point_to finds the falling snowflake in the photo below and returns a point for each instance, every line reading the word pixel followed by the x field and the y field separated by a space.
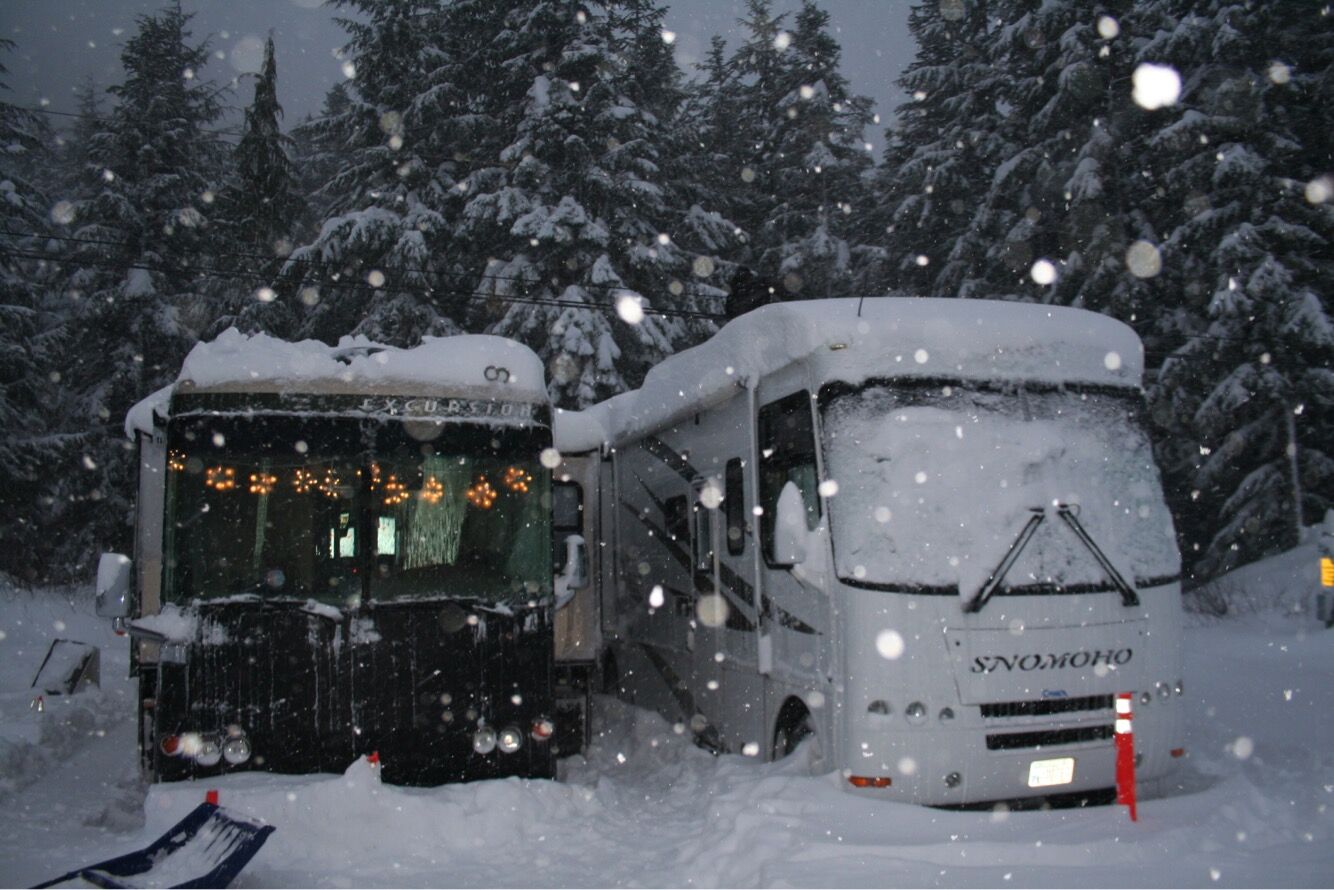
pixel 1155 86
pixel 890 645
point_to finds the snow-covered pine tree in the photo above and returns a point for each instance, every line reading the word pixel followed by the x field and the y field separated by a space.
pixel 1253 387
pixel 822 158
pixel 383 263
pixel 137 295
pixel 655 190
pixel 317 148
pixel 939 158
pixel 1053 88
pixel 803 136
pixel 258 211
pixel 32 443
pixel 574 213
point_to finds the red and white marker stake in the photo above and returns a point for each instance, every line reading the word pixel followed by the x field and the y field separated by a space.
pixel 1125 753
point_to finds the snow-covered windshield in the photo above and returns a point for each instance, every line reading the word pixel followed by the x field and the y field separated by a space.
pixel 344 510
pixel 936 481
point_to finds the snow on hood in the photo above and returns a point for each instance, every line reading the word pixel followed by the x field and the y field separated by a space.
pixel 854 340
pixel 440 366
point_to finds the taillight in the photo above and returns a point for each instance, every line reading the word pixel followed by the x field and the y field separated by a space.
pixel 543 729
pixel 870 781
pixel 171 745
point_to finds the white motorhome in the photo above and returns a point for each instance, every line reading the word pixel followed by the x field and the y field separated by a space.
pixel 928 533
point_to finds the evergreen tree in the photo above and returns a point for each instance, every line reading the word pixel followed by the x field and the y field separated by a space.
pixel 1250 386
pixel 317 146
pixel 383 263
pixel 259 208
pixel 578 215
pixel 556 217
pixel 138 300
pixel 802 134
pixel 33 445
pixel 938 161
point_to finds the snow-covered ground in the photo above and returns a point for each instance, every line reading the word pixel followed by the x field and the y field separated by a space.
pixel 1250 807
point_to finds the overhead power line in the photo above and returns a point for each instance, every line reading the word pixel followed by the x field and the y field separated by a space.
pixel 107 120
pixel 319 264
pixel 432 294
pixel 258 278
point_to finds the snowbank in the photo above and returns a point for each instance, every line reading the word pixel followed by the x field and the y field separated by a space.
pixel 1252 805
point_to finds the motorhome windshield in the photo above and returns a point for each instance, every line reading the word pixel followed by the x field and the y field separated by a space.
pixel 341 510
pixel 938 480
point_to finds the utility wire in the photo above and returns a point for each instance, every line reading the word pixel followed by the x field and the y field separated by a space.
pixel 431 294
pixel 107 120
pixel 399 270
pixel 214 272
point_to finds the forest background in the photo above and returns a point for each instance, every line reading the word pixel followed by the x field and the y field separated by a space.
pixel 544 170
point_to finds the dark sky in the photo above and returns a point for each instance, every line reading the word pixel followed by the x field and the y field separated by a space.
pixel 61 42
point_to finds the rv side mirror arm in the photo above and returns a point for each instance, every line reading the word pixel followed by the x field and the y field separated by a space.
pixel 574 576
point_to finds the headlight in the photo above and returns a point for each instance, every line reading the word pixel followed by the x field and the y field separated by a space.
pixel 236 750
pixel 543 729
pixel 1179 688
pixel 484 740
pixel 1145 697
pixel 916 713
pixel 879 706
pixel 946 715
pixel 510 739
pixel 1164 690
pixel 209 753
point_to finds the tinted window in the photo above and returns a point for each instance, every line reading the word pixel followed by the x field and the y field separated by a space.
pixel 734 503
pixel 787 454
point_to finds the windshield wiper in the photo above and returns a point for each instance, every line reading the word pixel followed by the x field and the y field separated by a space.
pixel 1128 595
pixel 993 582
pixel 1071 518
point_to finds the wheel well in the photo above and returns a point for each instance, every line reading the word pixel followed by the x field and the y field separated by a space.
pixel 790 715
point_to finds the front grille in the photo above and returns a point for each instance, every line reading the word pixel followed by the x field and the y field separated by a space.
pixel 1046 706
pixel 1047 738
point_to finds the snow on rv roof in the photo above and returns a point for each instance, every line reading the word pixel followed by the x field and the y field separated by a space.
pixel 463 365
pixel 855 340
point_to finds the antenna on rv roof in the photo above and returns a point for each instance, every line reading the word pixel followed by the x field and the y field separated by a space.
pixel 859 306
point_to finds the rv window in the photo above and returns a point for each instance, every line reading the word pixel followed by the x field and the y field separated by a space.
pixel 787 454
pixel 735 504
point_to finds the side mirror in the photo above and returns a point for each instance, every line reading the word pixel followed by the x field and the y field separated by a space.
pixel 575 574
pixel 790 533
pixel 114 578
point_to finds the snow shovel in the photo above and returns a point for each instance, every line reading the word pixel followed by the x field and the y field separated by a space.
pixel 208 848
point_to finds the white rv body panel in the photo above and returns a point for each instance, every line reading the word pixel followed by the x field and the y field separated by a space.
pixel 708 630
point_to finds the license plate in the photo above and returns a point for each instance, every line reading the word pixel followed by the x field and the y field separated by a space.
pixel 1045 773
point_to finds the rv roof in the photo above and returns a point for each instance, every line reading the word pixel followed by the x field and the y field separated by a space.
pixel 463 366
pixel 855 340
